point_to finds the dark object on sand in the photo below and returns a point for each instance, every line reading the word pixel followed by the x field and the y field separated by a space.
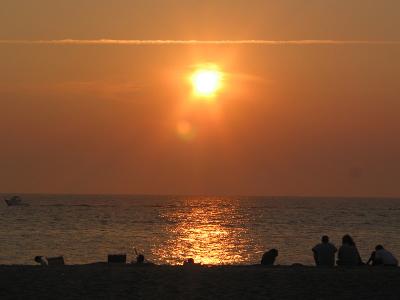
pixel 50 261
pixel 41 260
pixel 297 265
pixel 268 258
pixel 116 258
pixel 56 261
pixel 324 253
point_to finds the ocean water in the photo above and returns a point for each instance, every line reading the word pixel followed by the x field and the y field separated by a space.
pixel 212 230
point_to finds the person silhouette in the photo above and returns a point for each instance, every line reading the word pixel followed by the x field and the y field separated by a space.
pixel 381 256
pixel 348 253
pixel 324 253
pixel 140 259
pixel 190 263
pixel 268 258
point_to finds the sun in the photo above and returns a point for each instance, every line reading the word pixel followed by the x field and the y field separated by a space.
pixel 206 81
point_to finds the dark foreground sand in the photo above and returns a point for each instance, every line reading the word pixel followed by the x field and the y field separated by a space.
pixel 102 281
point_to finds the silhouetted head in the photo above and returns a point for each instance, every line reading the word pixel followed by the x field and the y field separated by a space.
pixel 140 259
pixel 190 261
pixel 325 239
pixel 268 258
pixel 38 259
pixel 273 252
pixel 378 247
pixel 348 240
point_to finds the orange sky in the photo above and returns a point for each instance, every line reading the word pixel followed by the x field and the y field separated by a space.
pixel 290 120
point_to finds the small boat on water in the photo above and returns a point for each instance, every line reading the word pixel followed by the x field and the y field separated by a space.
pixel 15 201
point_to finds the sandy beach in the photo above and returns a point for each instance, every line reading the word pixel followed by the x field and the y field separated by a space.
pixel 102 281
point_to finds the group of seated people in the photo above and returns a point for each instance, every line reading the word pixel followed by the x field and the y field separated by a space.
pixel 324 255
pixel 348 255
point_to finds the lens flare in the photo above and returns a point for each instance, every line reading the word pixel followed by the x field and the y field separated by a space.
pixel 185 130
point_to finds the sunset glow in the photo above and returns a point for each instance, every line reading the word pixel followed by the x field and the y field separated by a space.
pixel 206 82
pixel 205 90
pixel 202 233
pixel 209 149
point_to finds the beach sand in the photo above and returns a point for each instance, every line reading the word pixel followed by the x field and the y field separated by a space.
pixel 103 281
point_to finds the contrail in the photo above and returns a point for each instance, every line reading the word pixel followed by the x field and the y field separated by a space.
pixel 195 42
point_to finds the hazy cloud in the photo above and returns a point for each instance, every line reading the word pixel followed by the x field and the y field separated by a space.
pixel 196 42
pixel 102 89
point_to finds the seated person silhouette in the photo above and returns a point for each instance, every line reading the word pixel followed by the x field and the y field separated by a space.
pixel 382 257
pixel 268 258
pixel 324 253
pixel 140 259
pixel 190 262
pixel 348 253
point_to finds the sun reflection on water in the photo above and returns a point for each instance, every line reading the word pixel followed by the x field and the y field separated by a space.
pixel 211 231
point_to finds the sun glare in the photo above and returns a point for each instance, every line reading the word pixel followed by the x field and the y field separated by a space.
pixel 206 82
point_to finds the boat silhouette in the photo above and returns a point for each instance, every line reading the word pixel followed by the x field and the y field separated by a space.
pixel 15 201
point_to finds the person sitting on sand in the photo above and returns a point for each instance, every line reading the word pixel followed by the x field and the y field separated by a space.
pixel 41 260
pixel 190 262
pixel 324 253
pixel 382 257
pixel 348 253
pixel 140 260
pixel 268 258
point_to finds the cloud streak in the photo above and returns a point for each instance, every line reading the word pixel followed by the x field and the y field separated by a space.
pixel 196 42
